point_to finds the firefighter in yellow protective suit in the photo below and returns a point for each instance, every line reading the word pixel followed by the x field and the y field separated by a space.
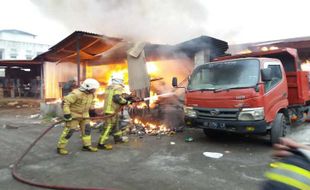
pixel 78 107
pixel 115 97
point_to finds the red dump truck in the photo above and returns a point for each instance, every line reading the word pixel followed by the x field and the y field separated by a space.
pixel 255 93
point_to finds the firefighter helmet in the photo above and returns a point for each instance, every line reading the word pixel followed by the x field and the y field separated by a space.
pixel 90 84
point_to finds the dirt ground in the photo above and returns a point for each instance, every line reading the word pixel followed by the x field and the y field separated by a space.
pixel 143 163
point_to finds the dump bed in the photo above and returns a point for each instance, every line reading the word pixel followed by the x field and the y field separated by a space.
pixel 297 80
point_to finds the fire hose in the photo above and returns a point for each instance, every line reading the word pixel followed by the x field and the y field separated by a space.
pixel 20 178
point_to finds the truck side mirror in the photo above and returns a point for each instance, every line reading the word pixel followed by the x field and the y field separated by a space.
pixel 266 74
pixel 175 82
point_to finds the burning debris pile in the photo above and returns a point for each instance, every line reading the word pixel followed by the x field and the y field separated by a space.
pixel 154 125
pixel 154 119
pixel 140 128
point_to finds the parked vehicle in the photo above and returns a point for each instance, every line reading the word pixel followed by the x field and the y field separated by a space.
pixel 255 93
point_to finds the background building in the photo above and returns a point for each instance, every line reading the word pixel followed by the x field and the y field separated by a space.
pixel 20 76
pixel 16 44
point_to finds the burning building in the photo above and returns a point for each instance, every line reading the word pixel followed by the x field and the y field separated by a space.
pixel 148 68
pixel 83 55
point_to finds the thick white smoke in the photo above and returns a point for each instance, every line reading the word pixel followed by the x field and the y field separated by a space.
pixel 170 21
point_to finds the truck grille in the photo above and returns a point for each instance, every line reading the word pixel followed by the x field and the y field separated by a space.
pixel 217 113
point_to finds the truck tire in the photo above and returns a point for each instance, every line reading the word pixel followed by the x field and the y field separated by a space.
pixel 277 128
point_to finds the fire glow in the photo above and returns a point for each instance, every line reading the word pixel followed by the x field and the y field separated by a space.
pixel 55 101
pixel 245 51
pixel 99 103
pixel 265 48
pixel 122 69
pixel 160 74
pixel 141 105
pixel 269 48
pixel 151 128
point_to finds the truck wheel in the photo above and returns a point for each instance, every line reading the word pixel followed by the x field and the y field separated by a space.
pixel 277 128
pixel 211 133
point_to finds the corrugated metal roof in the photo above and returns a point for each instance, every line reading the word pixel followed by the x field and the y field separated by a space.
pixel 203 42
pixel 300 43
pixel 190 47
pixel 288 40
pixel 100 49
pixel 291 51
pixel 90 45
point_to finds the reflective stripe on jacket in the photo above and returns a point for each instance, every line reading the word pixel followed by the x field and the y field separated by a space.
pixel 110 107
pixel 290 173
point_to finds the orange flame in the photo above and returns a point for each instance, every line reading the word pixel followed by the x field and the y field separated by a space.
pixel 152 128
pixel 152 68
pixel 245 51
pixel 59 100
pixel 273 48
pixel 100 91
pixel 99 103
pixel 102 73
pixel 265 48
pixel 141 105
pixel 153 99
pixel 109 70
pixel 122 69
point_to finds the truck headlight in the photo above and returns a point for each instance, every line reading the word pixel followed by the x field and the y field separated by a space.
pixel 251 114
pixel 189 112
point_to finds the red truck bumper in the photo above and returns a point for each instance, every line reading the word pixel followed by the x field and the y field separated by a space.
pixel 244 127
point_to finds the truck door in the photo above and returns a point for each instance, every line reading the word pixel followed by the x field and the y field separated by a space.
pixel 275 90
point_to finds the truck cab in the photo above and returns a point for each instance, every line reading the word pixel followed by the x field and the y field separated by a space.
pixel 255 93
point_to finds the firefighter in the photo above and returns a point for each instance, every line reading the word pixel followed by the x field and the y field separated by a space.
pixel 78 107
pixel 292 170
pixel 69 86
pixel 115 97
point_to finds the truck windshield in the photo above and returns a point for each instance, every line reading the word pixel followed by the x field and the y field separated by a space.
pixel 225 75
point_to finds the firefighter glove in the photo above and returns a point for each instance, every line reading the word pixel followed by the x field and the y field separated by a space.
pixel 127 97
pixel 92 113
pixel 137 99
pixel 131 98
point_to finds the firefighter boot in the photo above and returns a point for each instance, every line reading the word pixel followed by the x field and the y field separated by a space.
pixel 63 141
pixel 62 151
pixel 90 149
pixel 105 146
pixel 87 144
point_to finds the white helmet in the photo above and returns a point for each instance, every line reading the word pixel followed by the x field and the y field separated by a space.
pixel 89 84
pixel 117 78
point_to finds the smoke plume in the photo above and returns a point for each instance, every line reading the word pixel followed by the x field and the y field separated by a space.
pixel 155 21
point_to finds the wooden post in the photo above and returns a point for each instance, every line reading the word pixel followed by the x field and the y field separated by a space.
pixel 78 58
pixel 84 70
pixel 42 81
